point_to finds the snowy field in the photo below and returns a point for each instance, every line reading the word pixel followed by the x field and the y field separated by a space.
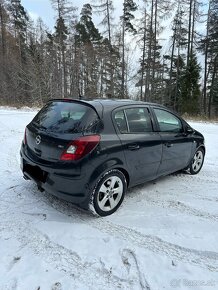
pixel 165 236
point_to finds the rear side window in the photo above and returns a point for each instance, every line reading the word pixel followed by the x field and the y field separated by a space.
pixel 134 120
pixel 121 121
pixel 67 117
pixel 139 120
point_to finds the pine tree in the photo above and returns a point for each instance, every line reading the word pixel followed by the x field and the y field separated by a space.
pixel 105 8
pixel 194 17
pixel 143 30
pixel 129 6
pixel 61 34
pixel 3 20
pixel 174 81
pixel 152 69
pixel 214 92
pixel 40 65
pixel 54 85
pixel 190 87
pixel 203 46
pixel 175 59
pixel 19 22
pixel 213 56
pixel 209 46
pixel 65 12
pixel 88 39
pixel 213 98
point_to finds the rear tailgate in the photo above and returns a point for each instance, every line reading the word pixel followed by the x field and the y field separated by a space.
pixel 47 145
pixel 57 124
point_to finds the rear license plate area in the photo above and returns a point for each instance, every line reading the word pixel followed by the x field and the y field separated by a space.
pixel 36 173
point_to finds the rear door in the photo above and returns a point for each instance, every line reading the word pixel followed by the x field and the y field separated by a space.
pixel 142 146
pixel 176 144
pixel 58 123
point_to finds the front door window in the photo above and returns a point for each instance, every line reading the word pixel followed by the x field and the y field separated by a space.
pixel 168 122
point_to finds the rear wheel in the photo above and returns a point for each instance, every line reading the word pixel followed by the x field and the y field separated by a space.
pixel 108 193
pixel 197 162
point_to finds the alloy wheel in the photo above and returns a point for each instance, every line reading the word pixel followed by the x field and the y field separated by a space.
pixel 110 193
pixel 197 161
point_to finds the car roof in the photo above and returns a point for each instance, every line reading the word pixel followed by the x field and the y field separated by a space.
pixel 107 105
pixel 115 103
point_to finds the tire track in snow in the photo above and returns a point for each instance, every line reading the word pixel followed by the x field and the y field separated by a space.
pixel 10 285
pixel 152 196
pixel 202 177
pixel 127 256
pixel 182 208
pixel 204 259
pixel 177 205
pixel 63 259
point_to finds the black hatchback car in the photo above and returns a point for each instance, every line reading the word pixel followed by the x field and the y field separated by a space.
pixel 90 152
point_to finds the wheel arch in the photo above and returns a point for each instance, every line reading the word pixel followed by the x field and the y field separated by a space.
pixel 195 149
pixel 125 173
pixel 109 165
pixel 202 147
pixel 191 169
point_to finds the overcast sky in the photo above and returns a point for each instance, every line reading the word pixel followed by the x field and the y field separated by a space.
pixel 43 9
pixel 40 8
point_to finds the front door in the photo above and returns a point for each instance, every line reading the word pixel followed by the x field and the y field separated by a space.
pixel 177 145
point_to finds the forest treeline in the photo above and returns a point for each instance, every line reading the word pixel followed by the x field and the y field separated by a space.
pixel 79 58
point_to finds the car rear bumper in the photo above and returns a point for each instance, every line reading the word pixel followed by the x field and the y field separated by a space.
pixel 58 182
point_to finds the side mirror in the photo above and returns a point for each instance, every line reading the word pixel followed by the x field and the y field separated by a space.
pixel 189 130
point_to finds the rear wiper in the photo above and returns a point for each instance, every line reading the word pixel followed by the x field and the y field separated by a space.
pixel 55 125
pixel 39 126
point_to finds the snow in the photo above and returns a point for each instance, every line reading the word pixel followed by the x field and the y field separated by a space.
pixel 163 237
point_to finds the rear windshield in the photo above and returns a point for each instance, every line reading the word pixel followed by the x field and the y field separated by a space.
pixel 66 117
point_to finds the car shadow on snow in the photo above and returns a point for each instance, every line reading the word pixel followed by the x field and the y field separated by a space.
pixel 71 210
pixel 64 207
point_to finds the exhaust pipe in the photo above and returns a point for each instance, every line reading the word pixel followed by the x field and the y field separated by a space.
pixel 40 188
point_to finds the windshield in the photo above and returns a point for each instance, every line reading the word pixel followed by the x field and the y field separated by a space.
pixel 66 117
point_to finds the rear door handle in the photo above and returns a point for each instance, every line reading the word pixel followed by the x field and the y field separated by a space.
pixel 168 144
pixel 133 147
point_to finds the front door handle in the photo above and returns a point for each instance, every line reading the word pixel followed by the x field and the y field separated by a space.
pixel 168 145
pixel 133 147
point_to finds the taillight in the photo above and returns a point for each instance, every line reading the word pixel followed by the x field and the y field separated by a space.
pixel 80 147
pixel 24 138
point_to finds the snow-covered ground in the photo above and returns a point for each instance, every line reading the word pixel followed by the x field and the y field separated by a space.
pixel 165 236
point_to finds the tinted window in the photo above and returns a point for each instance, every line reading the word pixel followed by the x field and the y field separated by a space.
pixel 167 121
pixel 66 117
pixel 138 120
pixel 121 122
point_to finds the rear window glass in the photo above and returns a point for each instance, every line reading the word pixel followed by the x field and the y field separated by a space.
pixel 66 117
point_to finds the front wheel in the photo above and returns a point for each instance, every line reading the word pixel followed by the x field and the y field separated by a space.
pixel 108 193
pixel 197 162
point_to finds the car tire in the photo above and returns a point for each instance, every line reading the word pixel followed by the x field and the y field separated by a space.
pixel 108 193
pixel 196 162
